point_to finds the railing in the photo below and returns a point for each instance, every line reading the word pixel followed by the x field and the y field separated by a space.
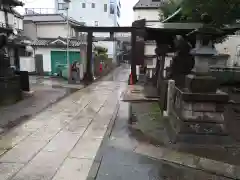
pixel 29 11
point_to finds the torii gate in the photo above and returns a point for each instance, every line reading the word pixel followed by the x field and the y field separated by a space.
pixel 137 57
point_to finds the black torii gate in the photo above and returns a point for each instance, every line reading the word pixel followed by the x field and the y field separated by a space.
pixel 137 57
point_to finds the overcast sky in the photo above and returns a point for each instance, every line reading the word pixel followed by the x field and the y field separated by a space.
pixel 126 11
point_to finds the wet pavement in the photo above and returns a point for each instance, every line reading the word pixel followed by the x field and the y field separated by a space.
pixel 60 142
pixel 124 157
pixel 44 93
pixel 86 136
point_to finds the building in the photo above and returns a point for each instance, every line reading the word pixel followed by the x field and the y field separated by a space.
pixel 148 10
pixel 11 44
pixel 12 20
pixel 49 33
pixel 95 13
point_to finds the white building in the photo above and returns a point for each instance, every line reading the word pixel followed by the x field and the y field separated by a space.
pixel 94 13
pixel 148 10
pixel 49 35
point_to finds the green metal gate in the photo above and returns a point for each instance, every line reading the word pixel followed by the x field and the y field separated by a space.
pixel 59 60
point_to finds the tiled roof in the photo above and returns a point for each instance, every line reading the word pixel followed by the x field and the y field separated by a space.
pixel 50 18
pixel 62 42
pixel 148 4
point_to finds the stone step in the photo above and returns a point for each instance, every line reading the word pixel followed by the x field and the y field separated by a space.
pixel 193 138
pixel 200 128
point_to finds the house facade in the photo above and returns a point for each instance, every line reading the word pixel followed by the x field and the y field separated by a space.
pixel 49 33
pixel 13 21
pixel 95 13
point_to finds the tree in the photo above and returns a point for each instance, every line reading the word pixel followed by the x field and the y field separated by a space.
pixel 101 52
pixel 168 8
pixel 222 12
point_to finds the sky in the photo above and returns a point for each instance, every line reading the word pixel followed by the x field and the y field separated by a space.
pixel 126 10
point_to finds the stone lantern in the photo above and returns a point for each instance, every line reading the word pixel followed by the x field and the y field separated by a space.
pixel 197 112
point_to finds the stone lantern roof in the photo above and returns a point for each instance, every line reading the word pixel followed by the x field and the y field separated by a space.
pixel 13 2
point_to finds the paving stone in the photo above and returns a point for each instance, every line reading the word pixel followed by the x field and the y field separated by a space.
pixel 2 151
pixel 47 132
pixel 86 148
pixel 7 170
pixel 13 137
pixel 42 167
pixel 24 151
pixel 62 142
pixel 96 130
pixel 32 125
pixel 74 169
pixel 78 124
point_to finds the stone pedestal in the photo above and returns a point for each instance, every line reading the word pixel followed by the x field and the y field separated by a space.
pixel 198 118
pixel 10 84
pixel 10 90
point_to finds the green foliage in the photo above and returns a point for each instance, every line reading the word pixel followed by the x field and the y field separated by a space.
pixel 101 52
pixel 222 12
pixel 168 8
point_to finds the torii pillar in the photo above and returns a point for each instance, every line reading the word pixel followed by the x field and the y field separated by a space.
pixel 88 76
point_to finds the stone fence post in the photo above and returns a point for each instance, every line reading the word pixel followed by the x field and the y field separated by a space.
pixel 170 96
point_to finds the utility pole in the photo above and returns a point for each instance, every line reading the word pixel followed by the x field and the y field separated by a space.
pixel 68 59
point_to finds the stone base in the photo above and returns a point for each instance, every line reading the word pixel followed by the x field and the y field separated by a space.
pixel 201 84
pixel 216 97
pixel 198 139
pixel 199 118
pixel 10 90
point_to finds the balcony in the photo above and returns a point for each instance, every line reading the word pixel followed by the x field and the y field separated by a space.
pixel 31 11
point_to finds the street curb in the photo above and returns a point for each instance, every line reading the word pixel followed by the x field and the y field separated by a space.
pixel 98 158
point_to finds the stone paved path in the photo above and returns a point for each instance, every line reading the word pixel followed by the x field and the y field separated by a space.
pixel 62 141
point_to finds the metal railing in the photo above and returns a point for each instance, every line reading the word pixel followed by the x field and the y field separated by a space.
pixel 29 11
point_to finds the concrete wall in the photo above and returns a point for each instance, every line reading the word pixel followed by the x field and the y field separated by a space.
pixel 150 49
pixel 51 30
pixel 46 52
pixel 27 64
pixel 148 14
pixel 30 30
pixel 231 46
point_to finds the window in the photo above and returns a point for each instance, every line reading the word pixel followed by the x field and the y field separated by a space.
pixel 61 6
pixel 93 5
pixel 112 9
pixel 83 5
pixel 105 7
pixel 96 23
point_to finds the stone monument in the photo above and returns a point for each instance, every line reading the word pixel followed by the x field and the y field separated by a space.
pixel 197 112
pixel 10 87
